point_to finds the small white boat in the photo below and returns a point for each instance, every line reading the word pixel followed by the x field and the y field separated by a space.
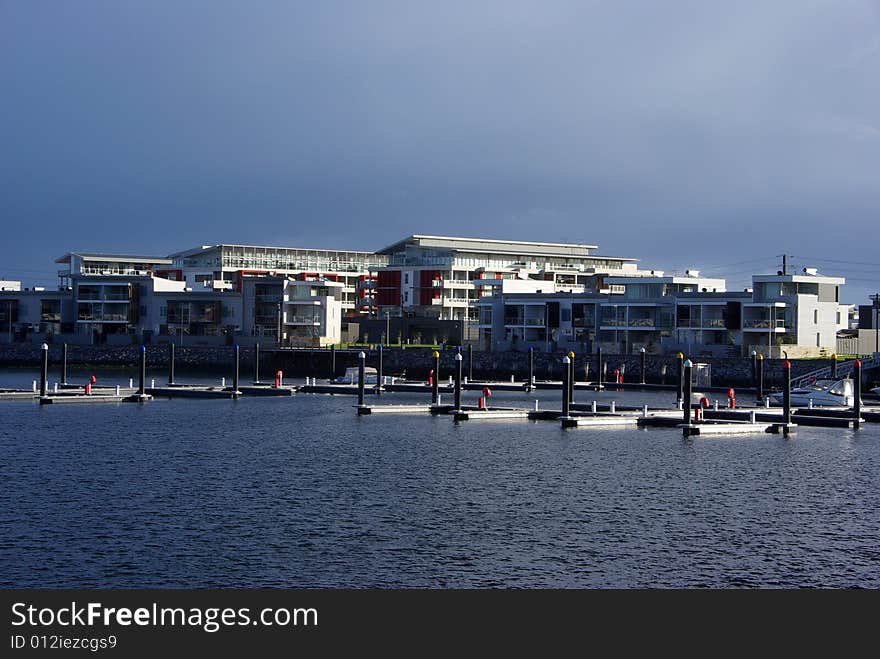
pixel 351 376
pixel 821 393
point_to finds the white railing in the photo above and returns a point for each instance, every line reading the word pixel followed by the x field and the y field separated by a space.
pixel 844 370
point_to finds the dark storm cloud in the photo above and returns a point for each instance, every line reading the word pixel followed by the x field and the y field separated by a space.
pixel 682 133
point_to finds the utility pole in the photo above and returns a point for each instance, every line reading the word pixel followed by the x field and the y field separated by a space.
pixel 876 299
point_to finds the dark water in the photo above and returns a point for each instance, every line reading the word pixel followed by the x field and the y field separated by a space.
pixel 300 492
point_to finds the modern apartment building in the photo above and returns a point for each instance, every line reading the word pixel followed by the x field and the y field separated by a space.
pixel 225 267
pixel 794 315
pixel 444 277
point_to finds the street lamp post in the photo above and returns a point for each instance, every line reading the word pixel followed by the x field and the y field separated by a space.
pixel 278 336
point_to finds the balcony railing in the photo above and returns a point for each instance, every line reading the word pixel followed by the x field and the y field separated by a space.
pixel 765 324
pixel 303 320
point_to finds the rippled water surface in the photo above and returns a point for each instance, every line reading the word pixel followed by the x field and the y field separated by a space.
pixel 299 492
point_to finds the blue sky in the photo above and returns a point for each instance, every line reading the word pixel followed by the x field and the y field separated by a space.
pixel 709 135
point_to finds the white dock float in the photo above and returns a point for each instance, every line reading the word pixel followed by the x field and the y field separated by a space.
pixel 600 421
pixel 395 409
pixel 704 429
pixel 473 415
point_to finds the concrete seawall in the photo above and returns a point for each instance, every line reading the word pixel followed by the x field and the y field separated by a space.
pixel 413 362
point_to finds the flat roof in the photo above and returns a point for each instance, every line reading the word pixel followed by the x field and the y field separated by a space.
pixel 808 279
pixel 127 258
pixel 205 248
pixel 490 244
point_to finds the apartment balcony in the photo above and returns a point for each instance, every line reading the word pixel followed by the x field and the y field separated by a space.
pixel 302 320
pixel 458 283
pixel 767 325
pixel 50 317
pixel 455 301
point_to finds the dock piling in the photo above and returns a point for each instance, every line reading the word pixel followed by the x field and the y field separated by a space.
pixel 142 372
pixel 834 366
pixel 379 372
pixel 531 380
pixel 857 393
pixel 458 365
pixel 235 373
pixel 63 363
pixel 685 381
pixel 171 364
pixel 362 358
pixel 257 364
pixel 644 363
pixel 435 380
pixel 598 368
pixel 571 377
pixel 680 362
pixel 44 370
pixel 566 375
pixel 470 349
pixel 760 362
pixel 332 361
pixel 786 396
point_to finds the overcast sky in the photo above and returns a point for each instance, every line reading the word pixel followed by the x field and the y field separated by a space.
pixel 715 135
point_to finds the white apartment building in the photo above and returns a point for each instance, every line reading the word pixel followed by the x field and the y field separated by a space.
pixel 443 277
pixel 225 267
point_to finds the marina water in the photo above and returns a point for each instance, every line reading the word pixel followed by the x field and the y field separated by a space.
pixel 300 492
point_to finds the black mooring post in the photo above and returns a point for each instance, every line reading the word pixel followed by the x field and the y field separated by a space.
pixel 680 359
pixel 857 394
pixel 571 377
pixel 44 370
pixel 834 367
pixel 64 364
pixel 598 368
pixel 332 361
pixel 531 380
pixel 644 363
pixel 362 358
pixel 688 391
pixel 379 374
pixel 786 396
pixel 171 364
pixel 470 363
pixel 142 375
pixel 458 368
pixel 257 364
pixel 760 361
pixel 566 373
pixel 435 381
